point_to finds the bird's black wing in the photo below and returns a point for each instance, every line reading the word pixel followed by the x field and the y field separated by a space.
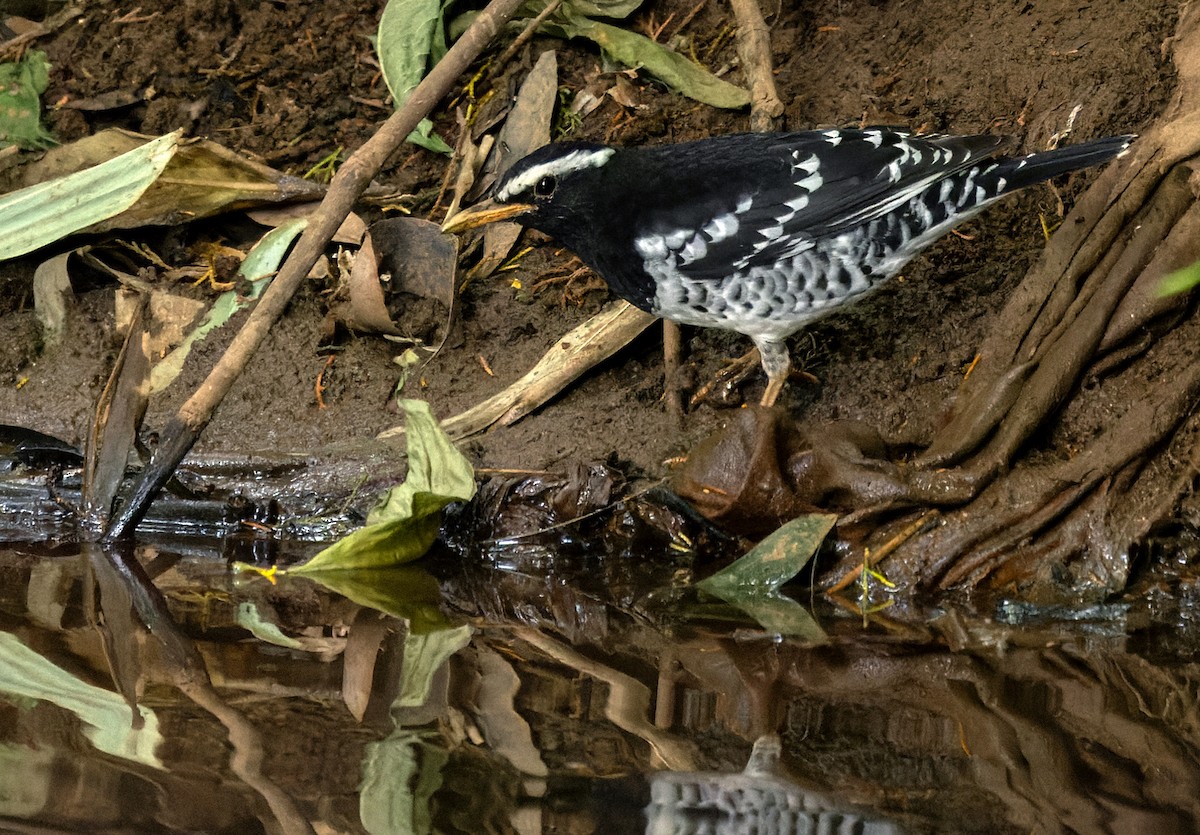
pixel 756 199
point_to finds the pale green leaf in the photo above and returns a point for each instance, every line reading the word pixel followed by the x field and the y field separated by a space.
pixel 47 212
pixel 1180 281
pixel 403 526
pixel 772 562
pixel 676 71
pixel 409 32
pixel 21 86
pixel 259 264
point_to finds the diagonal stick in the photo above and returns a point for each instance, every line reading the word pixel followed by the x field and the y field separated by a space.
pixel 351 179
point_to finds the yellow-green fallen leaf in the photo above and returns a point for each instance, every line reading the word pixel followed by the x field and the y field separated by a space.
pixel 1179 281
pixel 676 71
pixel 21 86
pixel 403 526
pixel 772 562
pixel 33 217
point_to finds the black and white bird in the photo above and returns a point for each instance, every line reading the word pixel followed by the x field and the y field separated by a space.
pixel 763 233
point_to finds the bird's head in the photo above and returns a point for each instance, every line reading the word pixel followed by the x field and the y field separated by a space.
pixel 553 189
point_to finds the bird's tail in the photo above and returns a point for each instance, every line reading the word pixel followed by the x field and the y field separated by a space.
pixel 1019 172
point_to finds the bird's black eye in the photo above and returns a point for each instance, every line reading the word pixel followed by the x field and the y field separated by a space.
pixel 545 186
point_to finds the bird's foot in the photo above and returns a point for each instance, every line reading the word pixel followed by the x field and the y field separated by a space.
pixel 574 289
pixel 724 387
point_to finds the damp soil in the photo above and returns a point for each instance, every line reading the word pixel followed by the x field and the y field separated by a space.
pixel 288 84
pixel 588 673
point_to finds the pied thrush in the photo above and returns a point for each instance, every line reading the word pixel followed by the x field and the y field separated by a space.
pixel 761 233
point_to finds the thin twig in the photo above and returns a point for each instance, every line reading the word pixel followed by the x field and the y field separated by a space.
pixel 523 38
pixel 754 49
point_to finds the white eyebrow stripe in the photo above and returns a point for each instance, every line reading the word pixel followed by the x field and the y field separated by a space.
pixel 574 161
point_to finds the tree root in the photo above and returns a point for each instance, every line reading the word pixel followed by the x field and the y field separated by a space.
pixel 1086 334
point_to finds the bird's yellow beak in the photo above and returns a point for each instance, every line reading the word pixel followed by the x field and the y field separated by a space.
pixel 489 211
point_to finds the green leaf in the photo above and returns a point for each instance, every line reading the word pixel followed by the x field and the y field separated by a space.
pixel 403 526
pixel 751 583
pixel 427 139
pixel 772 562
pixel 400 776
pixel 601 8
pixel 42 214
pixel 424 655
pixel 676 71
pixel 404 591
pixel 409 32
pixel 21 87
pixel 257 267
pixel 1179 281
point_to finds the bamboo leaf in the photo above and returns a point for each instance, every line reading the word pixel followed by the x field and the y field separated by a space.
pixel 44 213
pixel 676 71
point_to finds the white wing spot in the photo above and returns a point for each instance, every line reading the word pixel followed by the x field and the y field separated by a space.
pixel 833 137
pixel 809 165
pixel 694 250
pixel 874 137
pixel 677 239
pixel 811 183
pixel 721 227
pixel 651 247
pixel 798 203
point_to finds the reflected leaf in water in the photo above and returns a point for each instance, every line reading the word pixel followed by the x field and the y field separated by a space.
pixel 404 525
pixel 24 672
pixel 267 631
pixel 423 657
pixel 400 775
pixel 406 592
pixel 412 595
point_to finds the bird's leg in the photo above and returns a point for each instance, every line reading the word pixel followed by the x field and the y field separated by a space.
pixel 777 362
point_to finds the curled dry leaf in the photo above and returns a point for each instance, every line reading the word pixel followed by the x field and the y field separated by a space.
pixel 402 283
pixel 526 129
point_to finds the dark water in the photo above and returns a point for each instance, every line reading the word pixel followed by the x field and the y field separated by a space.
pixel 511 696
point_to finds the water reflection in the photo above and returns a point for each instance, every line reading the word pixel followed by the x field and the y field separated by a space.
pixel 494 701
